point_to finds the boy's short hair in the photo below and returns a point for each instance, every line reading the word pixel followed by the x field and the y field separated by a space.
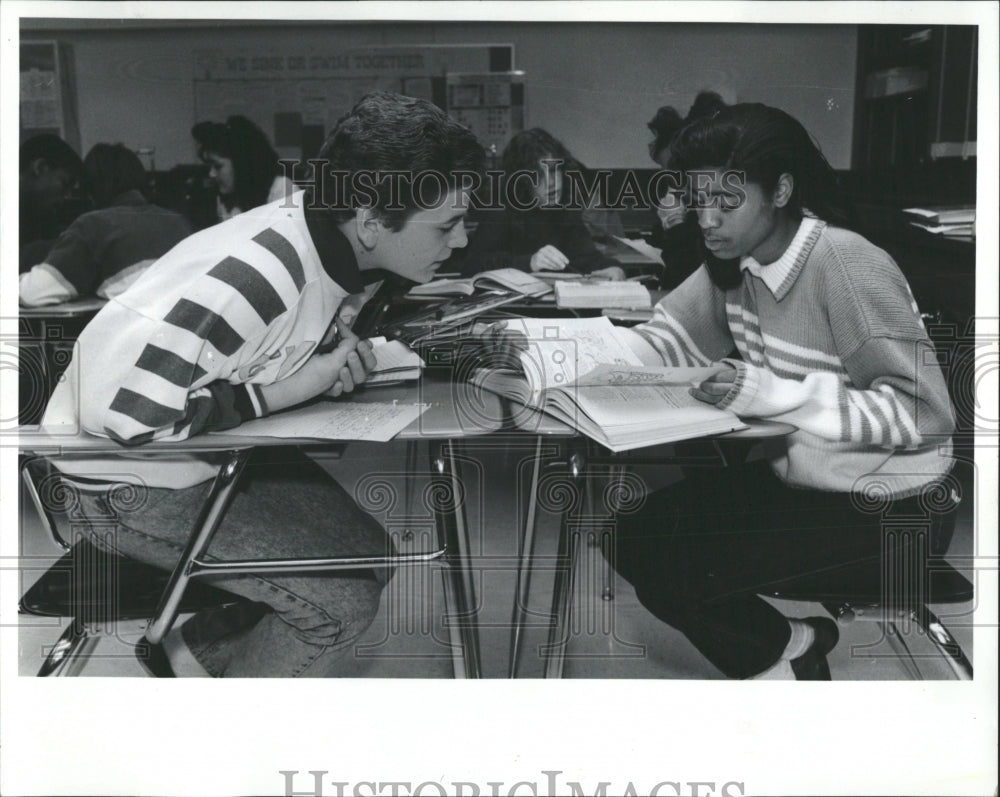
pixel 391 134
pixel 51 149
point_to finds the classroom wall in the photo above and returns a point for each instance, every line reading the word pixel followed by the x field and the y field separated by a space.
pixel 594 85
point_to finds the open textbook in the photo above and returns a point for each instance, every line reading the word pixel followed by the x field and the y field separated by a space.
pixel 582 373
pixel 510 279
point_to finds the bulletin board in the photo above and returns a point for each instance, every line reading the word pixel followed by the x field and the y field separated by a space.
pixel 490 104
pixel 296 98
pixel 46 95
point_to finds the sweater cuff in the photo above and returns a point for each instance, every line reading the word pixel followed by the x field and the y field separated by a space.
pixel 745 389
pixel 248 401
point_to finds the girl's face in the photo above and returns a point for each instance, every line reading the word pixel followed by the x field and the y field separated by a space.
pixel 548 188
pixel 221 172
pixel 739 218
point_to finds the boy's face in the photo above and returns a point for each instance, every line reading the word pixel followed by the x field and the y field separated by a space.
pixel 426 240
pixel 46 187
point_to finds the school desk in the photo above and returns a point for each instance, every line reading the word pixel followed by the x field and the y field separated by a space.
pixel 456 412
pixel 574 469
pixel 46 336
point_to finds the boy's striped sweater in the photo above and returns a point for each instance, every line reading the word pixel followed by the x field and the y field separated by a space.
pixel 186 349
pixel 831 341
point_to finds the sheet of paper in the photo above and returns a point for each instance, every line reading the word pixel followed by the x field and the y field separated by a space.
pixel 394 360
pixel 642 247
pixel 329 420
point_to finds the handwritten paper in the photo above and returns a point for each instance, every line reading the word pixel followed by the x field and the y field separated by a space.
pixel 327 420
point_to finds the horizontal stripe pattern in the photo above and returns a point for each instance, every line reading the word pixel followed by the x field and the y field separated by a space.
pixel 143 409
pixel 279 246
pixel 669 337
pixel 169 366
pixel 252 285
pixel 205 324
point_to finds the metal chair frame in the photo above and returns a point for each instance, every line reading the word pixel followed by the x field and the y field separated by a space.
pixel 75 642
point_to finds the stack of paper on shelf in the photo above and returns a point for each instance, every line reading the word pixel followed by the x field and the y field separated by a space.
pixel 950 221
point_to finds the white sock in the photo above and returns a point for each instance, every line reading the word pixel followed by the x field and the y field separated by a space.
pixel 182 660
pixel 800 641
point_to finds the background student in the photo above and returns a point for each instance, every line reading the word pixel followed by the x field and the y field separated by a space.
pixel 547 237
pixel 830 340
pixel 50 170
pixel 227 327
pixel 677 235
pixel 104 251
pixel 242 164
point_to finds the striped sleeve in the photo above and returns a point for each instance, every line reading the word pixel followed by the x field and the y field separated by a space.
pixel 895 398
pixel 689 327
pixel 180 383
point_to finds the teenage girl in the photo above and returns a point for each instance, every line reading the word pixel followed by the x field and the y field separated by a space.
pixel 829 340
pixel 242 164
pixel 538 232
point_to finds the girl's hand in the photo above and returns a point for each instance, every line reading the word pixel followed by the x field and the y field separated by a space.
pixel 616 273
pixel 670 210
pixel 548 258
pixel 502 346
pixel 716 387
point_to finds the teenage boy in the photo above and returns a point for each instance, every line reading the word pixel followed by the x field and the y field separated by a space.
pixel 230 326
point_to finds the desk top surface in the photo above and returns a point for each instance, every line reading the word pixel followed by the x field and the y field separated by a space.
pixel 79 307
pixel 457 410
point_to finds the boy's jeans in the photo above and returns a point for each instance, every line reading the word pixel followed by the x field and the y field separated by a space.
pixel 285 506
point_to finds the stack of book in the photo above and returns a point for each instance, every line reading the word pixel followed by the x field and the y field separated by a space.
pixel 950 221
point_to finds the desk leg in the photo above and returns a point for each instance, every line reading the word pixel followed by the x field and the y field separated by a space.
pixel 562 587
pixel 459 591
pixel 215 507
pixel 524 564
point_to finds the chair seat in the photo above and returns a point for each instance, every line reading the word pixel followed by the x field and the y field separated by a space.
pixel 93 585
pixel 862 583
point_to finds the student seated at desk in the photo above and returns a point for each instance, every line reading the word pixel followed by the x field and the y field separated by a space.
pixel 541 233
pixel 242 164
pixel 228 327
pixel 829 340
pixel 106 250
pixel 50 170
pixel 677 235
